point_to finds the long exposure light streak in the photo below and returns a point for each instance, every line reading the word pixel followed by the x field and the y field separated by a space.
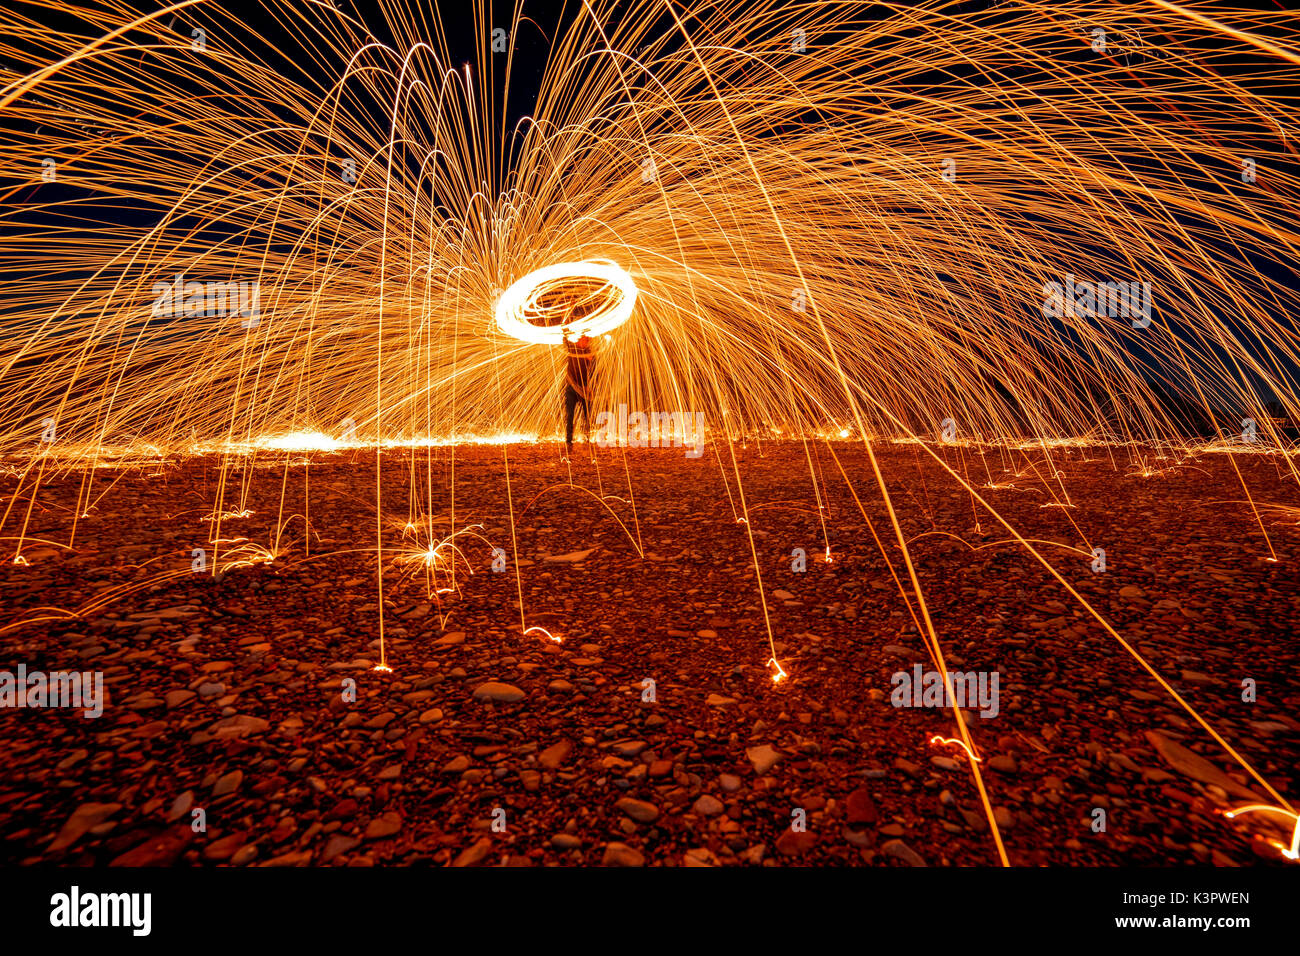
pixel 981 233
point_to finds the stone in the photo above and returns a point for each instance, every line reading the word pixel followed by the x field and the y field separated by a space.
pixel 763 758
pixel 163 849
pixel 224 848
pixel 180 806
pixel 795 843
pixel 860 808
pixel 384 825
pixel 1193 765
pixel 638 810
pixel 554 756
pixel 228 783
pixel 176 698
pixel 499 692
pixel 239 725
pixel 901 851
pixel 475 854
pixel 708 806
pixel 620 854
pixel 700 856
pixel 339 843
pixel 83 818
pixel 573 557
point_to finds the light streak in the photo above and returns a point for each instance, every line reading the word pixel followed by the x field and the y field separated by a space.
pixel 941 741
pixel 777 175
pixel 545 633
pixel 1293 851
pixel 780 674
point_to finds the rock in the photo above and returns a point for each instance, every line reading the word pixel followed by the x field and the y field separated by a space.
pixel 565 841
pixel 499 692
pixel 240 725
pixel 901 851
pixel 860 808
pixel 384 825
pixel 554 756
pixel 339 843
pixel 1003 763
pixel 161 850
pixel 79 755
pixel 708 806
pixel 700 856
pixel 729 782
pixel 859 838
pixel 793 843
pixel 638 810
pixel 783 595
pixel 754 854
pixel 909 768
pixel 83 818
pixel 180 806
pixel 228 783
pixel 763 758
pixel 244 855
pixel 293 858
pixel 620 854
pixel 1193 765
pixel 345 809
pixel 224 848
pixel 573 557
pixel 475 854
pixel 175 698
pixel 717 700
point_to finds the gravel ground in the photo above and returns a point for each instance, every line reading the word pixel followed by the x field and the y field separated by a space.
pixel 487 746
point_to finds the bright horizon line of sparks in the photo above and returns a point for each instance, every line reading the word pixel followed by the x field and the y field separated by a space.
pixel 828 214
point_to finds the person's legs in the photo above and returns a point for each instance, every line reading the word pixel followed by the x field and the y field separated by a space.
pixel 586 422
pixel 571 400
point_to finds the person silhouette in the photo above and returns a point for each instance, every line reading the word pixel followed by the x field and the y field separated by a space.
pixel 580 364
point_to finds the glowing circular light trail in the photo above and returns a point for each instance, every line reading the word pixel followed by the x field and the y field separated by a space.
pixel 537 307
